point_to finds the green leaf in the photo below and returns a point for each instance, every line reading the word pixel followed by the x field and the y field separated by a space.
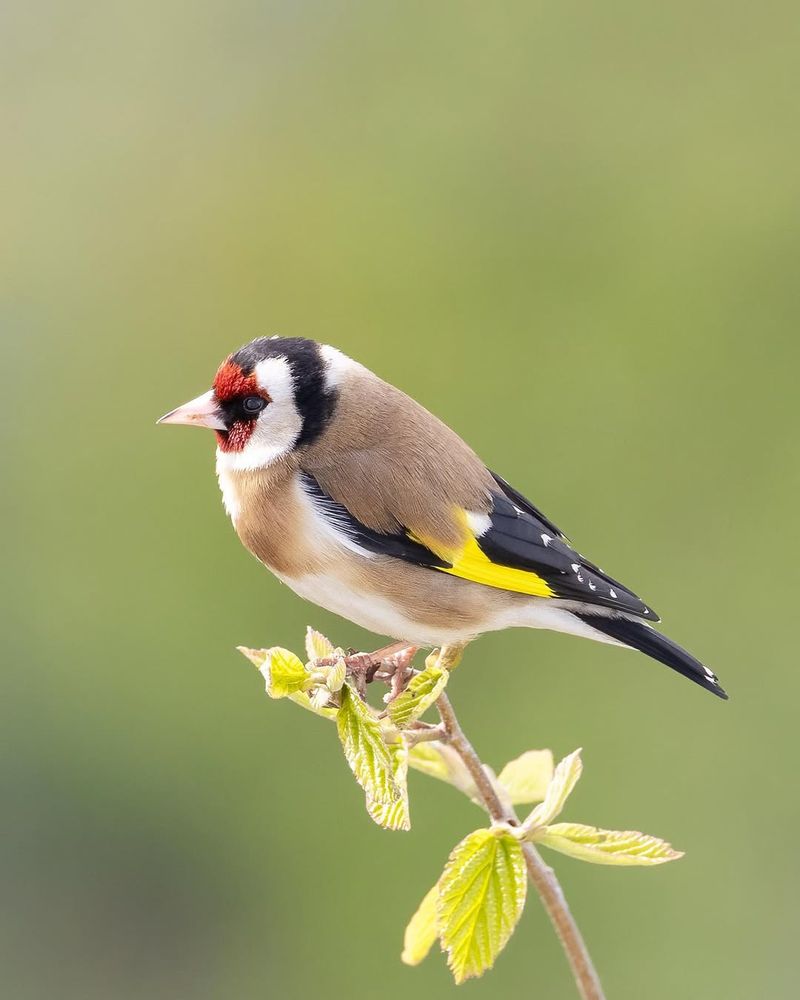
pixel 317 646
pixel 527 777
pixel 394 815
pixel 336 675
pixel 427 757
pixel 558 791
pixel 481 896
pixel 422 691
pixel 438 760
pixel 320 698
pixel 302 699
pixel 256 656
pixel 284 672
pixel 367 754
pixel 422 929
pixel 606 847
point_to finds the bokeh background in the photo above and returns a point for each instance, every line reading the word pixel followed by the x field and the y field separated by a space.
pixel 572 231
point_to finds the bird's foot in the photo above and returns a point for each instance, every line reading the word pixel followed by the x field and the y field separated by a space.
pixel 450 656
pixel 390 663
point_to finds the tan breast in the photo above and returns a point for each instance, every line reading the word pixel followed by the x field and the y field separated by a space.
pixel 393 465
pixel 277 523
pixel 270 516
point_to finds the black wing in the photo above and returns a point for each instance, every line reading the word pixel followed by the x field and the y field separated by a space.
pixel 522 537
pixel 518 537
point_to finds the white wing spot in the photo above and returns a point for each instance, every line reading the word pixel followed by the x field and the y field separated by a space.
pixel 576 568
pixel 479 523
pixel 592 586
pixel 547 539
pixel 613 593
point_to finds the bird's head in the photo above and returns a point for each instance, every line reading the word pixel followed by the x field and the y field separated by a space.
pixel 269 398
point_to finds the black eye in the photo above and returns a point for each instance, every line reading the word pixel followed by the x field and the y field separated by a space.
pixel 253 405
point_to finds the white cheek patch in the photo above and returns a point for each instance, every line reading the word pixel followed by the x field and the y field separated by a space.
pixel 274 376
pixel 278 426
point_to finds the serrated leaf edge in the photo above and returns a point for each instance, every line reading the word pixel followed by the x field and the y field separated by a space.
pixel 366 774
pixel 499 839
pixel 622 848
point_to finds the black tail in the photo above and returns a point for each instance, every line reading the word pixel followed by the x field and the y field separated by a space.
pixel 643 637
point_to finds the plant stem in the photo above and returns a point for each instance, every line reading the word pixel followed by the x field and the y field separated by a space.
pixel 540 874
pixel 435 733
pixel 465 750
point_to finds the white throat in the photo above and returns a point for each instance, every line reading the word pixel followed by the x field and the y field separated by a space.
pixel 230 494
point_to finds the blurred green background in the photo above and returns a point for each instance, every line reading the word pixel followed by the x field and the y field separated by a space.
pixel 572 231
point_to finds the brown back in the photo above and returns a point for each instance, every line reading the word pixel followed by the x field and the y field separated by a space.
pixel 393 464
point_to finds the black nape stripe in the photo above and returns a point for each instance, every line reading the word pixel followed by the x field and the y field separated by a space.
pixel 315 401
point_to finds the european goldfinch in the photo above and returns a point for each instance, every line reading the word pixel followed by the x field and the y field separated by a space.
pixel 366 504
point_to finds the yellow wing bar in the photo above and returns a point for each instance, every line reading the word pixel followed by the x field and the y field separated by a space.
pixel 470 562
pixel 473 564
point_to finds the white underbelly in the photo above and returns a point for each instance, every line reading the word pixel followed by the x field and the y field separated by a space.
pixel 377 614
pixel 328 548
pixel 382 616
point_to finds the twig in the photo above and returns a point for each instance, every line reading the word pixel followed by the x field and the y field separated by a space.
pixel 484 784
pixel 427 735
pixel 395 670
pixel 541 875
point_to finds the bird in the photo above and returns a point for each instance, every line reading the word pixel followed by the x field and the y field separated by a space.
pixel 366 504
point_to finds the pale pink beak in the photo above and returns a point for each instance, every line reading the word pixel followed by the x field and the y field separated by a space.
pixel 200 412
